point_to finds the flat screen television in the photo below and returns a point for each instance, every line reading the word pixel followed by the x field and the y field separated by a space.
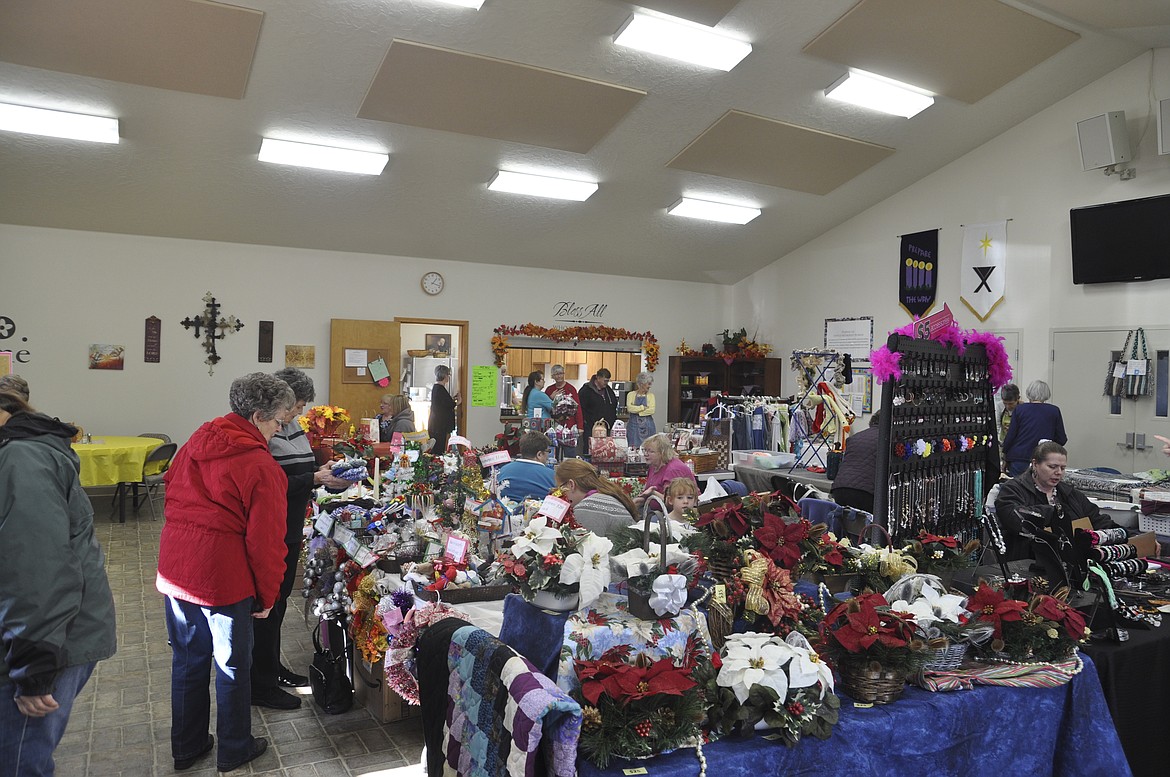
pixel 1121 241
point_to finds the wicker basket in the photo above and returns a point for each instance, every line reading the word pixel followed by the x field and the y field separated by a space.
pixel 478 593
pixel 946 659
pixel 418 352
pixel 701 462
pixel 868 686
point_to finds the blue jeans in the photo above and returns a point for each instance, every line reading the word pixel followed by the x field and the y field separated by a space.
pixel 27 744
pixel 200 635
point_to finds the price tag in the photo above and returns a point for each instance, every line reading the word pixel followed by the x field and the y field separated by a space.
pixel 342 535
pixel 637 770
pixel 456 549
pixel 324 524
pixel 721 594
pixel 455 439
pixel 364 557
pixel 554 507
pixel 1119 369
pixel 1136 367
pixel 862 705
pixel 495 458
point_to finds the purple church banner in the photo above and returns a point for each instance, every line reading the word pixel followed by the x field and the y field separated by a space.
pixel 918 272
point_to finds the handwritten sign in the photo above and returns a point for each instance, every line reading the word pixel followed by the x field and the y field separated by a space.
pixel 495 458
pixel 324 524
pixel 455 439
pixel 485 381
pixel 455 549
pixel 554 508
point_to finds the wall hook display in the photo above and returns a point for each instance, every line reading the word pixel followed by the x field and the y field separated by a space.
pixel 211 326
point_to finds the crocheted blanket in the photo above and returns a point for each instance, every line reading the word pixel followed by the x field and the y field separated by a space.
pixel 503 716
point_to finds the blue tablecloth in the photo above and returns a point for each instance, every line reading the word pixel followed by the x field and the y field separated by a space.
pixel 990 730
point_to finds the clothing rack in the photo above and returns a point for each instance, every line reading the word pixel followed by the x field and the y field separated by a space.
pixel 938 451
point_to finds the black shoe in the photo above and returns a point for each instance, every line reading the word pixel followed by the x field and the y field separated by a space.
pixel 287 678
pixel 276 699
pixel 186 763
pixel 259 745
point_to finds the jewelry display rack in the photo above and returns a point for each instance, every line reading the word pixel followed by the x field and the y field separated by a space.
pixel 938 451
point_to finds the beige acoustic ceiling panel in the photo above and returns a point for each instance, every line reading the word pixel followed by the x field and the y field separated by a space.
pixel 707 12
pixel 1112 14
pixel 964 49
pixel 184 45
pixel 427 86
pixel 760 150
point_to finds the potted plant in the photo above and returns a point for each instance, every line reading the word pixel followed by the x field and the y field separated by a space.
pixel 321 424
pixel 557 566
pixel 1044 629
pixel 941 555
pixel 872 646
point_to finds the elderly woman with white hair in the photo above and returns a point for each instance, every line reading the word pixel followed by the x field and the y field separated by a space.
pixel 1032 423
pixel 640 403
pixel 665 466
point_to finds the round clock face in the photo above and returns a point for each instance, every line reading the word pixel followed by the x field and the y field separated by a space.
pixel 432 283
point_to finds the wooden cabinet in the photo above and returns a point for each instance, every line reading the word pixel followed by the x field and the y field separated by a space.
pixel 693 380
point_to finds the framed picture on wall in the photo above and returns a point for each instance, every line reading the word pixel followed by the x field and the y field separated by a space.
pixel 438 343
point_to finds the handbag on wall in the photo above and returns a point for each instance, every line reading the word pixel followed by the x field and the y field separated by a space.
pixel 1137 372
pixel 329 672
pixel 1116 369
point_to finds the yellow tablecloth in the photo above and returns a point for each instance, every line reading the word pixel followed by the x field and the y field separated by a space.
pixel 108 460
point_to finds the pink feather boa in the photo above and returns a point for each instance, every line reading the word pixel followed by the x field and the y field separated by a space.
pixel 888 365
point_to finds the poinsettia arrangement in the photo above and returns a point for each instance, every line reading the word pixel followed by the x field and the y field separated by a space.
pixel 323 421
pixel 1043 629
pixel 641 568
pixel 941 554
pixel 865 631
pixel 563 558
pixel 763 681
pixel 941 618
pixel 768 593
pixel 637 708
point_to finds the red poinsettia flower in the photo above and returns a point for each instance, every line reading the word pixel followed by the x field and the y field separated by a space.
pixel 782 540
pixel 858 623
pixel 782 602
pixel 991 606
pixel 513 566
pixel 1053 609
pixel 726 520
pixel 833 555
pixel 926 539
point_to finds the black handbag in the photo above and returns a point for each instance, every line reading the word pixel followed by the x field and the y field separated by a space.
pixel 329 672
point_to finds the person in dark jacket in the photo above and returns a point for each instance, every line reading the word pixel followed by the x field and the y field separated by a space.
pixel 1031 423
pixel 1040 486
pixel 56 609
pixel 598 403
pixel 221 560
pixel 290 447
pixel 853 486
pixel 397 416
pixel 442 419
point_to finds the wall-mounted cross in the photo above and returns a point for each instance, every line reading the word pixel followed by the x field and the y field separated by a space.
pixel 213 327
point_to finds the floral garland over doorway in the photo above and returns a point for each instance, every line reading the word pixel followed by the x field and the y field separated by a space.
pixel 607 334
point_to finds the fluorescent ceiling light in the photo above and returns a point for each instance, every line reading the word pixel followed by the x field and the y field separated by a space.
pixel 58 124
pixel 464 3
pixel 343 160
pixel 542 186
pixel 880 93
pixel 713 211
pixel 677 39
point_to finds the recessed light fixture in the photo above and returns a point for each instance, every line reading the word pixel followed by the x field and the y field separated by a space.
pixel 682 40
pixel 542 186
pixel 880 93
pixel 343 160
pixel 58 124
pixel 713 211
pixel 464 3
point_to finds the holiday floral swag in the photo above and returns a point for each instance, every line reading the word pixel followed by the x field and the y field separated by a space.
pixel 1043 630
pixel 323 421
pixel 865 634
pixel 736 345
pixel 941 555
pixel 765 681
pixel 636 707
pixel 566 560
pixel 887 365
pixel 606 334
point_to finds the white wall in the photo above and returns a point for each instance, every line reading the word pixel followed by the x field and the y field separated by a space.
pixel 1030 174
pixel 68 289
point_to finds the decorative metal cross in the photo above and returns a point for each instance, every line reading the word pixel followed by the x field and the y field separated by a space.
pixel 214 327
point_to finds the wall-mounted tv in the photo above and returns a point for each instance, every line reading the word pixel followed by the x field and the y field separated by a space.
pixel 1121 241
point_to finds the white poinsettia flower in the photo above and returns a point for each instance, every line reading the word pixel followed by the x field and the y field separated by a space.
pixel 752 662
pixel 636 562
pixel 677 529
pixel 538 538
pixel 589 567
pixel 807 668
pixel 947 607
pixel 920 608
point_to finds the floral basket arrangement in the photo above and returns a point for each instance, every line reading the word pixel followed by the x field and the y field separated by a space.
pixel 639 708
pixel 941 555
pixel 557 566
pixel 873 647
pixel 761 681
pixel 940 618
pixel 659 573
pixel 323 421
pixel 1044 629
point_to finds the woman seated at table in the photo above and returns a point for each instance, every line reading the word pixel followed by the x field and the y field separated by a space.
pixel 665 466
pixel 598 505
pixel 1040 486
pixel 396 416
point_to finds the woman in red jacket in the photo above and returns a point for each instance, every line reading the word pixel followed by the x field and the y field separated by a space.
pixel 220 564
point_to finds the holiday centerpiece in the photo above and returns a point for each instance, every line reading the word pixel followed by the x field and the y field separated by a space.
pixel 558 566
pixel 322 424
pixel 940 618
pixel 941 555
pixel 1044 629
pixel 872 646
pixel 760 681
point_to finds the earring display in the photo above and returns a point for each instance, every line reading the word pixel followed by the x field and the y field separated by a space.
pixel 938 447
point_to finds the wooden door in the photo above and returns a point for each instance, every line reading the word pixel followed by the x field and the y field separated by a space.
pixel 355 392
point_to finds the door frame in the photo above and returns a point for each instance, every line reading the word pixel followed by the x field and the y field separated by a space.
pixel 462 327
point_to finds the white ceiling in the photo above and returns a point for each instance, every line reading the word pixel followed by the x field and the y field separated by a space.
pixel 187 168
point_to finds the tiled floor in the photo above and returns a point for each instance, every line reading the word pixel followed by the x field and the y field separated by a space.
pixel 121 721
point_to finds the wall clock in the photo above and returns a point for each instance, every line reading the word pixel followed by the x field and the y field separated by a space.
pixel 432 283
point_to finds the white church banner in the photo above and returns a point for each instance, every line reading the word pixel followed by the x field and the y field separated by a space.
pixel 984 266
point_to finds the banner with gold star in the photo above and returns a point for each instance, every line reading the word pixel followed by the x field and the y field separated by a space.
pixel 984 267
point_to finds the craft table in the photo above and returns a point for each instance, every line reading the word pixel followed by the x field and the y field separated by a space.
pixel 991 730
pixel 760 479
pixel 109 460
